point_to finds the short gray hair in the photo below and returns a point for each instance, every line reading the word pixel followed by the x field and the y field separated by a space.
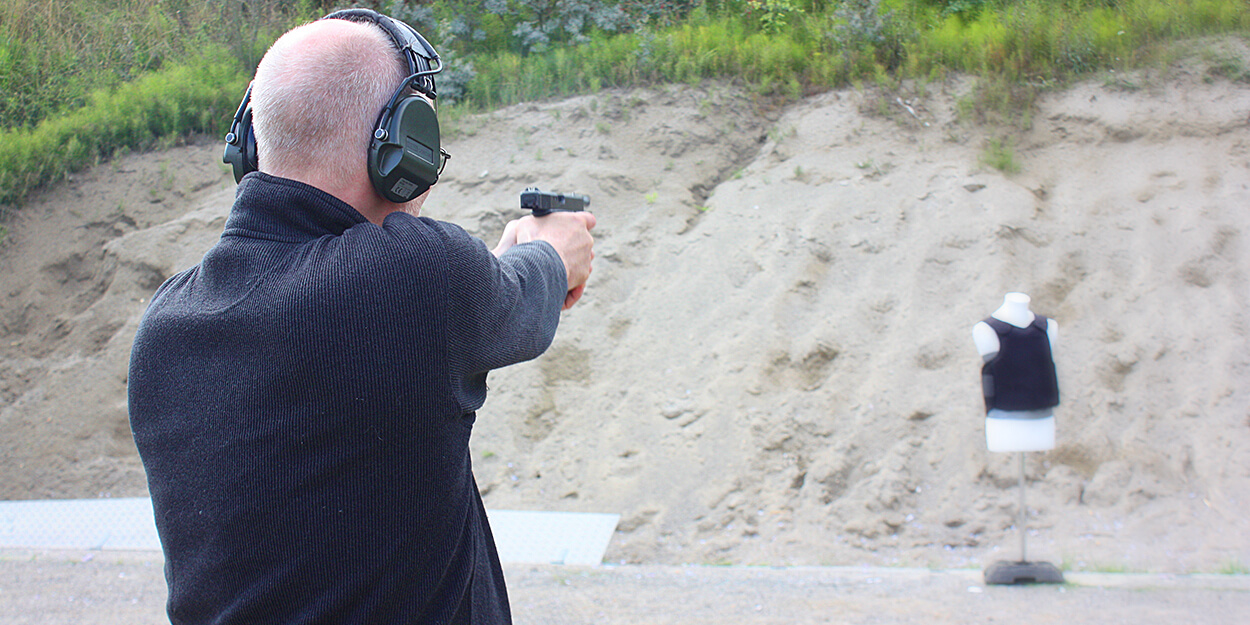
pixel 317 95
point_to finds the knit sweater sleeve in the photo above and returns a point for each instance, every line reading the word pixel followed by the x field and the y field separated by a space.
pixel 502 311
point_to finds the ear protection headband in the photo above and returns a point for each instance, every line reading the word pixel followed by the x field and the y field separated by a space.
pixel 405 157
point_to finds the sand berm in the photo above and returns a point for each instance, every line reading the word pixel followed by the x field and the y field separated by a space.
pixel 773 362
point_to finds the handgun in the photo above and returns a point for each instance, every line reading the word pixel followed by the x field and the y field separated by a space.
pixel 545 202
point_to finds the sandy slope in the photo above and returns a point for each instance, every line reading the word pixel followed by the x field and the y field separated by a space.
pixel 773 363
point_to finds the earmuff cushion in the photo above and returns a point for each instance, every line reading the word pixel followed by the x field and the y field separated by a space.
pixel 241 152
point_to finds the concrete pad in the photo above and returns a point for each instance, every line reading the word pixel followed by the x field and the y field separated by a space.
pixel 128 525
pixel 117 524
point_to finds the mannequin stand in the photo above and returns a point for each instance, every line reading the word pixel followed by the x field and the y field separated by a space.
pixel 1022 571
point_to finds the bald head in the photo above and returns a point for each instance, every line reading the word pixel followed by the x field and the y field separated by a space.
pixel 315 99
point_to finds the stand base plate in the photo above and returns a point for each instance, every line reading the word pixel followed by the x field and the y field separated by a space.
pixel 1003 572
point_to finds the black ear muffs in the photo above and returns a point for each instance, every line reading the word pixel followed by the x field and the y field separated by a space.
pixel 405 157
pixel 241 141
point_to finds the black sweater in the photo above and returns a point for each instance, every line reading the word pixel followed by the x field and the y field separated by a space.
pixel 302 401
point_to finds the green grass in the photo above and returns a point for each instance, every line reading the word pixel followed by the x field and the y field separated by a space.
pixel 1231 567
pixel 55 53
pixel 81 80
pixel 1000 155
pixel 1226 67
pixel 1096 567
pixel 177 100
pixel 1023 42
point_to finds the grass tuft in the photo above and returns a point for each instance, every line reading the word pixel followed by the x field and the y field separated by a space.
pixel 1000 155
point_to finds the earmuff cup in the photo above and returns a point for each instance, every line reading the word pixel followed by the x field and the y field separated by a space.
pixel 404 155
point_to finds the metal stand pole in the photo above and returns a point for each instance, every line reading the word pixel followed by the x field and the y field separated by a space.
pixel 1023 571
pixel 1022 513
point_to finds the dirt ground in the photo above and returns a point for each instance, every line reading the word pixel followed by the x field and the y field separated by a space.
pixel 128 588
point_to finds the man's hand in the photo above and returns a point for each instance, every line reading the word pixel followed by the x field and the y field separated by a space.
pixel 569 233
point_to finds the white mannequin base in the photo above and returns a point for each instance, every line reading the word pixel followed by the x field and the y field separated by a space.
pixel 1020 434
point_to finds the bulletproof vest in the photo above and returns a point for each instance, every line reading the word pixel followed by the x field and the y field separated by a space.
pixel 1021 376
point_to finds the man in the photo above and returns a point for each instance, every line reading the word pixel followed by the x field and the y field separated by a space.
pixel 303 398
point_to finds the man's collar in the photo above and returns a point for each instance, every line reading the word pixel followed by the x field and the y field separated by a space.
pixel 281 209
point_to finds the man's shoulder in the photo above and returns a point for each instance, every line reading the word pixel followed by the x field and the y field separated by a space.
pixel 403 234
pixel 408 252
